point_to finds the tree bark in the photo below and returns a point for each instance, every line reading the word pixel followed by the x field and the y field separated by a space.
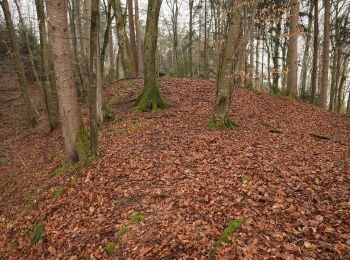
pixel 220 118
pixel 190 45
pixel 31 113
pixel 292 87
pixel 315 55
pixel 150 98
pixel 67 94
pixel 138 37
pixel 325 58
pixel 133 37
pixel 50 95
pixel 122 40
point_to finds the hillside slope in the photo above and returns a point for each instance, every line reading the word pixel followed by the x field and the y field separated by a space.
pixel 285 172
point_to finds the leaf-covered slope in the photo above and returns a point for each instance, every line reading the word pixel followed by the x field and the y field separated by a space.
pixel 275 172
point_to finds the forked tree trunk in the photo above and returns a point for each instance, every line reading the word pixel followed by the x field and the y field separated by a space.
pixel 66 90
pixel 220 118
pixel 315 55
pixel 325 58
pixel 50 95
pixel 292 85
pixel 150 98
pixel 31 113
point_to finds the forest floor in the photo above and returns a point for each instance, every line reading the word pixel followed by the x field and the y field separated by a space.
pixel 166 187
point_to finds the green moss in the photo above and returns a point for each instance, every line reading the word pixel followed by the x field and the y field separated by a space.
pixel 83 146
pixel 224 123
pixel 110 248
pixel 58 192
pixel 37 233
pixel 133 220
pixel 64 167
pixel 150 100
pixel 12 245
pixel 232 227
pixel 108 115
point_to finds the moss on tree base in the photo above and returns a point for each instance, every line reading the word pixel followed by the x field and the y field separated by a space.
pixel 221 123
pixel 150 101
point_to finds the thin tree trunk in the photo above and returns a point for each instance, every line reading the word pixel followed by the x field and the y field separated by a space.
pixel 315 55
pixel 96 119
pixel 190 45
pixel 275 58
pixel 83 56
pixel 31 56
pixel 342 83
pixel 220 117
pixel 292 87
pixel 150 98
pixel 31 113
pixel 133 37
pixel 138 37
pixel 50 95
pixel 66 91
pixel 325 58
pixel 205 51
pixel 304 68
pixel 122 40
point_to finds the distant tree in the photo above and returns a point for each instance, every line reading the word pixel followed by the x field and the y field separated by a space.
pixel 325 56
pixel 315 54
pixel 31 113
pixel 150 98
pixel 292 87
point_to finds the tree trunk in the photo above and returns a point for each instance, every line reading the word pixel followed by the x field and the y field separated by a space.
pixel 78 74
pixel 251 57
pixel 292 87
pixel 138 37
pixel 31 113
pixel 50 95
pixel 190 45
pixel 304 68
pixel 205 51
pixel 133 37
pixel 342 83
pixel 325 58
pixel 66 91
pixel 220 117
pixel 30 52
pixel 83 56
pixel 150 98
pixel 95 95
pixel 275 58
pixel 122 40
pixel 315 56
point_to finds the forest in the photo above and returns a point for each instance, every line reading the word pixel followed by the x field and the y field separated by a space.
pixel 174 129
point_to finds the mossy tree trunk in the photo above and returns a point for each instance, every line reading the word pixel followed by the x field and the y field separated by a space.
pixel 150 98
pixel 31 113
pixel 124 52
pixel 220 117
pixel 50 95
pixel 66 91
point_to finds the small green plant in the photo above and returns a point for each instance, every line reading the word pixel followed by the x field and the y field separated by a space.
pixel 245 180
pixel 12 245
pixel 38 231
pixel 133 220
pixel 232 227
pixel 58 192
pixel 110 248
pixel 313 186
